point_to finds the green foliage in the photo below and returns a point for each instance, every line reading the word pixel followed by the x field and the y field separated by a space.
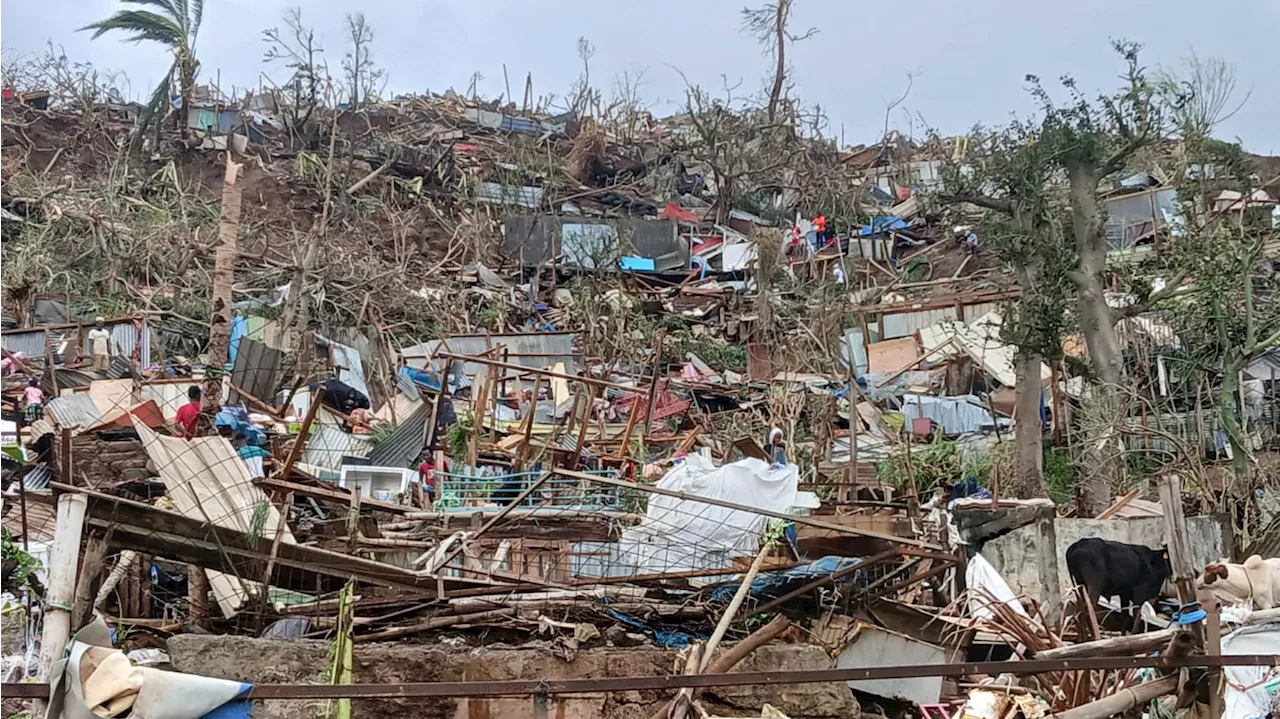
pixel 258 520
pixel 1060 474
pixel 917 270
pixel 932 465
pixel 458 436
pixel 27 565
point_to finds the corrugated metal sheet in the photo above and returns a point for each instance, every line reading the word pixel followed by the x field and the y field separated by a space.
pixel 853 340
pixel 973 312
pixel 408 387
pixel 326 446
pixel 346 361
pixel 981 341
pixel 207 481
pixel 496 193
pixel 956 415
pixel 37 478
pixel 404 444
pixel 29 342
pixel 905 324
pixel 75 410
pixel 535 350
pixel 126 337
pixel 70 378
pixel 119 368
pixel 256 370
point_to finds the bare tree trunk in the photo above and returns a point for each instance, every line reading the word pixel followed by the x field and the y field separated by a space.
pixel 1233 423
pixel 1102 462
pixel 1028 440
pixel 779 72
pixel 223 277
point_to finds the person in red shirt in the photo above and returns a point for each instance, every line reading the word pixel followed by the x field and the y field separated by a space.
pixel 189 413
pixel 427 476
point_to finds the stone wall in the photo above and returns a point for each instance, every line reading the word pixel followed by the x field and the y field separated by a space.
pixel 1032 558
pixel 270 661
pixel 108 461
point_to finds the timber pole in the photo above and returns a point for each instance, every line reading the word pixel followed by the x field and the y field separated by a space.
pixel 63 558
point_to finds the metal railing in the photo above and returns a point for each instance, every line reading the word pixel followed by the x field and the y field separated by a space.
pixel 466 492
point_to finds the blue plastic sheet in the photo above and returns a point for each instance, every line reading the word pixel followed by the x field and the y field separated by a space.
pixel 422 377
pixel 880 224
pixel 770 583
pixel 674 639
pixel 637 264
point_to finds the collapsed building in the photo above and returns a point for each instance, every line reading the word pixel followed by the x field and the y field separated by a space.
pixel 623 446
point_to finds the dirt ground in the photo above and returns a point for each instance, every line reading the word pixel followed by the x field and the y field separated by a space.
pixel 295 661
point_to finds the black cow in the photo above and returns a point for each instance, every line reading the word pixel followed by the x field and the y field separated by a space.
pixel 1131 571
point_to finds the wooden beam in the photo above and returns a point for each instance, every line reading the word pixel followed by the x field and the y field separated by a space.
pixel 298 444
pixel 331 494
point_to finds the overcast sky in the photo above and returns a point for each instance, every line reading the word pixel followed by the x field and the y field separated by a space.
pixel 968 58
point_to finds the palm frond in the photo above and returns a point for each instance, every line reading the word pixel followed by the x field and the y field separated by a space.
pixel 183 11
pixel 159 99
pixel 197 14
pixel 145 25
pixel 172 7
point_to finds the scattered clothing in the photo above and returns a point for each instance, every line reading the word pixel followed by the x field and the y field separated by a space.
pixel 9 364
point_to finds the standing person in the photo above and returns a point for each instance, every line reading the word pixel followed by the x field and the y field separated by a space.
pixel 34 398
pixel 100 345
pixel 189 413
pixel 427 476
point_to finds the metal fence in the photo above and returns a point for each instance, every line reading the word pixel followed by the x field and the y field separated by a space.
pixel 468 492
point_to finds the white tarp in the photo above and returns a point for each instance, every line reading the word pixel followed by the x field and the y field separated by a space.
pixel 207 481
pixel 1252 692
pixel 684 534
pixel 985 585
pixel 99 680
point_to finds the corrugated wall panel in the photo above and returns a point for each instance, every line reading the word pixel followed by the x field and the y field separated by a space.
pixel 30 343
pixel 328 445
pixel 904 324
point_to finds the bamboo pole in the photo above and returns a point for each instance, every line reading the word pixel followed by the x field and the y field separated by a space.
pixel 63 558
pixel 1121 701
pixel 1115 646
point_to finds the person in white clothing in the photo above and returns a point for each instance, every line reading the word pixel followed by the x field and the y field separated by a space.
pixel 100 345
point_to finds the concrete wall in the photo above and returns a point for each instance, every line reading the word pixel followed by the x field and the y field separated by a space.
pixel 1031 558
pixel 281 661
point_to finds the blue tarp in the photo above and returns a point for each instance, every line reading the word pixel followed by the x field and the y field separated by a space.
pixel 422 377
pixel 636 264
pixel 771 583
pixel 239 328
pixel 675 639
pixel 880 224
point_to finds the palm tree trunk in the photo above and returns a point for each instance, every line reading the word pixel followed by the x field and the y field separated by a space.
pixel 224 261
